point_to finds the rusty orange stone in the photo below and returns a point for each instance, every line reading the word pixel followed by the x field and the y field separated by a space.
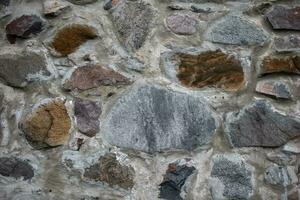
pixel 287 64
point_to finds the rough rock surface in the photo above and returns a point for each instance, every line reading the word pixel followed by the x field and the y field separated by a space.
pixel 286 64
pixel 151 119
pixel 237 31
pixel 48 123
pixel 230 177
pixel 4 8
pixel 259 124
pixel 287 43
pixel 92 76
pixel 182 24
pixel 82 2
pixel 280 175
pixel 54 7
pixel 16 168
pixel 111 171
pixel 282 17
pixel 87 115
pixel 275 88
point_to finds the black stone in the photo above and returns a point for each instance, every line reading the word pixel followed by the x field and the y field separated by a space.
pixel 14 167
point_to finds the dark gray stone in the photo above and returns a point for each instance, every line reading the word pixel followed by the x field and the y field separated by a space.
pixel 285 18
pixel 259 124
pixel 230 178
pixel 87 115
pixel 150 118
pixel 236 31
pixel 4 8
pixel 82 2
pixel 16 168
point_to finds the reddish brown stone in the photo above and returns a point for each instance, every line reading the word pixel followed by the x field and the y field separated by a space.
pixel 213 68
pixel 274 88
pixel 93 76
pixel 287 64
pixel 282 17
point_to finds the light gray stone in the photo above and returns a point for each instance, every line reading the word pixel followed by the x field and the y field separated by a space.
pixel 280 175
pixel 150 118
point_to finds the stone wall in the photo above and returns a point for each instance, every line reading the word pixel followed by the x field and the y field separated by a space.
pixel 149 99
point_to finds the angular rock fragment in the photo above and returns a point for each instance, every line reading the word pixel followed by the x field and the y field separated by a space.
pixel 24 27
pixel 82 2
pixel 48 124
pixel 93 76
pixel 87 115
pixel 174 179
pixel 150 118
pixel 133 20
pixel 18 67
pixel 281 176
pixel 108 4
pixel 54 7
pixel 259 124
pixel 111 171
pixel 292 146
pixel 182 24
pixel 236 31
pixel 287 43
pixel 278 89
pixel 285 18
pixel 70 37
pixel 230 178
pixel 286 64
pixel 16 168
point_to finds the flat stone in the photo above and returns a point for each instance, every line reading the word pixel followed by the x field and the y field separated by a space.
pixel 230 178
pixel 18 67
pixel 292 146
pixel 287 43
pixel 82 2
pixel 93 76
pixel 234 30
pixel 274 88
pixel 280 175
pixel 87 115
pixel 259 124
pixel 111 171
pixel 24 27
pixel 174 179
pixel 150 118
pixel 54 7
pixel 285 18
pixel 182 24
pixel 285 64
pixel 16 168
pixel 48 124
pixel 132 20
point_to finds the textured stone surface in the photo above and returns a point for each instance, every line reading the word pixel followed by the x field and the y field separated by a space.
pixel 16 168
pixel 108 4
pixel 82 2
pixel 111 171
pixel 24 27
pixel 260 124
pixel 286 64
pixel 70 37
pixel 230 178
pixel 274 88
pixel 87 115
pixel 149 118
pixel 92 76
pixel 48 123
pixel 182 24
pixel 132 20
pixel 236 31
pixel 54 7
pixel 287 43
pixel 282 17
pixel 4 8
pixel 174 179
pixel 18 67
pixel 279 175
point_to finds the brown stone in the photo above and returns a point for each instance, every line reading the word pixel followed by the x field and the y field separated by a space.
pixel 69 38
pixel 48 124
pixel 109 170
pixel 93 76
pixel 286 18
pixel 287 64
pixel 213 68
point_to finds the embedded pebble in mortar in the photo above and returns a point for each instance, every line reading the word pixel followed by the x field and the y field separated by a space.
pixel 182 23
pixel 16 168
pixel 82 2
pixel 54 7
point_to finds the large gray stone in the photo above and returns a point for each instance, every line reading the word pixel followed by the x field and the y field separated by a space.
pixel 230 178
pixel 150 118
pixel 259 124
pixel 235 30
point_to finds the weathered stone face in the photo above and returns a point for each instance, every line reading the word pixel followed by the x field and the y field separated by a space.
pixel 280 175
pixel 82 2
pixel 54 7
pixel 92 76
pixel 286 64
pixel 16 168
pixel 48 124
pixel 87 116
pixel 213 68
pixel 152 119
pixel 182 24
pixel 4 8
pixel 111 171
pixel 230 178
pixel 282 17
pixel 278 89
pixel 287 43
pixel 259 124
pixel 70 37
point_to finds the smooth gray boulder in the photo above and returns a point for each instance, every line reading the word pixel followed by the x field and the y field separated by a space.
pixel 150 118
pixel 259 124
